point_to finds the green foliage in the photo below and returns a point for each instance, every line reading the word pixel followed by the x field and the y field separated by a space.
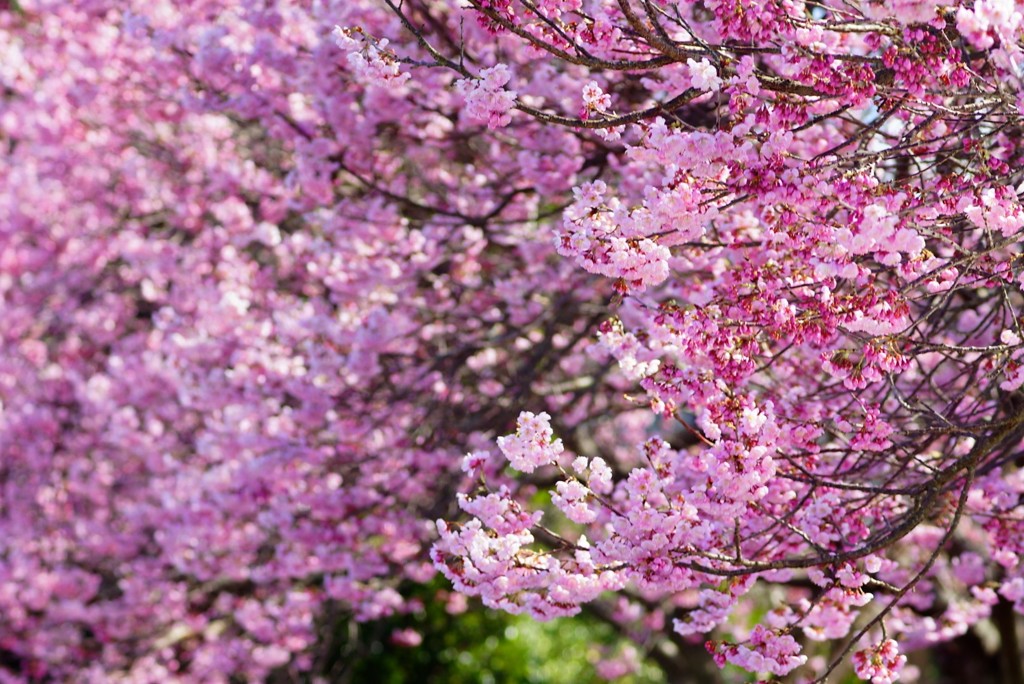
pixel 482 647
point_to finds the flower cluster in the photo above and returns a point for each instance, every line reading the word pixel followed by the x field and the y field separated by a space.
pixel 533 445
pixel 703 75
pixel 881 663
pixel 370 60
pixel 595 100
pixel 487 100
pixel 766 651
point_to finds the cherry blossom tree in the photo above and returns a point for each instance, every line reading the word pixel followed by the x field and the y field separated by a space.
pixel 306 302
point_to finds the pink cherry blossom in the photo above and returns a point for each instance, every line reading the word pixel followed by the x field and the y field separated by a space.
pixel 880 664
pixel 487 100
pixel 533 443
pixel 703 75
pixel 689 311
